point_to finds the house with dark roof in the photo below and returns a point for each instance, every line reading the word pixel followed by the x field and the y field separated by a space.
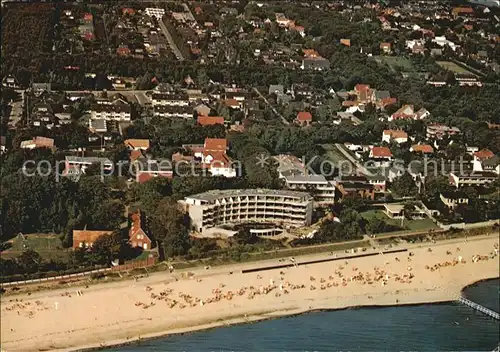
pixel 111 110
pixel 315 64
pixel 453 199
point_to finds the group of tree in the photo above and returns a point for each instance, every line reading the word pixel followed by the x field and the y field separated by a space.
pixel 31 204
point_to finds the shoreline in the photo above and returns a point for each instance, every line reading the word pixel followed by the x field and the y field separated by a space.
pixel 276 315
pixel 119 314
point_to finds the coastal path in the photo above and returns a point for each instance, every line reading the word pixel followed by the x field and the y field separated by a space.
pixel 479 308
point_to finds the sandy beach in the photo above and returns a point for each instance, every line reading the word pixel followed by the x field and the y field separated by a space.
pixel 163 303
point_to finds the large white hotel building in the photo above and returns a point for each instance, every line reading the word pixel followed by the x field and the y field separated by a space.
pixel 220 207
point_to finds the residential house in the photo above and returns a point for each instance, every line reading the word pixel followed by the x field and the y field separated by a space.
pixel 442 41
pixel 137 237
pixel 474 178
pixel 467 80
pixel 210 120
pixel 397 136
pixel 146 169
pixel 77 164
pixel 137 144
pixel 315 64
pixel 232 103
pixel 170 98
pixel 483 154
pixel 111 110
pixel 304 118
pixel 10 82
pixel 346 42
pixel 405 112
pixel 436 131
pixel 39 88
pixel 396 211
pixel 424 149
pixel 86 238
pixel 155 12
pixel 38 142
pixel 386 48
pixel 380 156
pixel 349 186
pixel 202 109
pixel 3 144
pixel 213 157
pixel 297 177
pixel 173 111
pixel 461 11
pixel 453 199
pixel 491 164
pixel 276 89
pixel 98 126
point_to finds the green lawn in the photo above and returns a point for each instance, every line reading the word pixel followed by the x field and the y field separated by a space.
pixel 48 246
pixel 453 67
pixel 37 242
pixel 335 156
pixel 395 62
pixel 411 225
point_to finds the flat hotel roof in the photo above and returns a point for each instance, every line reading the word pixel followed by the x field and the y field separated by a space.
pixel 215 194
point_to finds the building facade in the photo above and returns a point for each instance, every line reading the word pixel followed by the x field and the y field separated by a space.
pixel 220 207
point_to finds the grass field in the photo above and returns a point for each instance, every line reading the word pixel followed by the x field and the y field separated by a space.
pixel 453 67
pixel 48 246
pixel 395 62
pixel 412 225
pixel 336 157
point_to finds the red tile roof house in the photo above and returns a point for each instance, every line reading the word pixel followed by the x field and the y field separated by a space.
pixel 86 239
pixel 363 92
pixel 397 136
pixel 386 47
pixel 213 157
pixel 483 154
pixel 137 237
pixel 123 51
pixel 210 120
pixel 380 156
pixel 137 144
pixel 422 148
pixel 304 118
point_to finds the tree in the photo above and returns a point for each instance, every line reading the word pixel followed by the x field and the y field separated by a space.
pixel 151 192
pixel 170 226
pixel 29 261
pixel 408 210
pixel 404 186
pixel 107 248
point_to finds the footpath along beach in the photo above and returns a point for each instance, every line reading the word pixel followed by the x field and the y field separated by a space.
pixel 167 303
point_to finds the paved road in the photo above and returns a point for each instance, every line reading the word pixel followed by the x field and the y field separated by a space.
pixel 171 42
pixel 16 112
pixel 142 98
pixel 353 160
pixel 272 108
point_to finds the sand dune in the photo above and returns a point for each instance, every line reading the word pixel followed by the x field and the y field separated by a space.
pixel 165 303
